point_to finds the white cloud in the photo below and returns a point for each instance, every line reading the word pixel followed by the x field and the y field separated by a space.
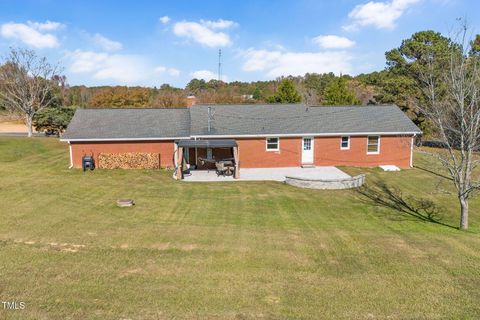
pixel 105 43
pixel 170 71
pixel 204 32
pixel 165 19
pixel 381 15
pixel 333 42
pixel 260 60
pixel 86 61
pixel 33 33
pixel 173 72
pixel 273 45
pixel 46 26
pixel 206 75
pixel 278 63
pixel 122 68
pixel 116 68
pixel 219 24
pixel 126 69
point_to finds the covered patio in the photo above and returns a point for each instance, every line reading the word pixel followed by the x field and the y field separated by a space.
pixel 214 156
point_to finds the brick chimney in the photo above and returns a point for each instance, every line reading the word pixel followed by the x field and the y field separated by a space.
pixel 191 100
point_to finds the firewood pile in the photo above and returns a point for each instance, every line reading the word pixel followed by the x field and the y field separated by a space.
pixel 129 161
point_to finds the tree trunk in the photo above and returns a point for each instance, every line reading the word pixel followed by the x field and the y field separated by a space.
pixel 463 213
pixel 29 125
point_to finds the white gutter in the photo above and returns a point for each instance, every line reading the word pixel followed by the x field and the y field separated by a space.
pixel 71 158
pixel 127 139
pixel 309 134
pixel 335 134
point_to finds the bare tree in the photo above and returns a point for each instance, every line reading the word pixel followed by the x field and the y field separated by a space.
pixel 453 108
pixel 169 99
pixel 27 83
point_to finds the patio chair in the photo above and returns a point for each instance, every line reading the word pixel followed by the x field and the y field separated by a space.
pixel 224 168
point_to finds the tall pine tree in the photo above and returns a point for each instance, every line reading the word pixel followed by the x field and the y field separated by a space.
pixel 286 93
pixel 337 93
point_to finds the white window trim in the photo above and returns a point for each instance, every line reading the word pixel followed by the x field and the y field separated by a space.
pixel 378 148
pixel 348 146
pixel 209 153
pixel 278 144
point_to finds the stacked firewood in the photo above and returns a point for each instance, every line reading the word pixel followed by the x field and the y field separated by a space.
pixel 129 161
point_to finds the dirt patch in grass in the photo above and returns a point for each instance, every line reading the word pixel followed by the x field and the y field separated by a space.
pixel 65 247
pixel 163 246
pixel 129 272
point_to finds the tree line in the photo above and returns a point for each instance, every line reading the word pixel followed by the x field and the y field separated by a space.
pixel 397 84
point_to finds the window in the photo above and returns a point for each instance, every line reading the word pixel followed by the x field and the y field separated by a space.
pixel 373 145
pixel 272 144
pixel 209 154
pixel 307 144
pixel 345 143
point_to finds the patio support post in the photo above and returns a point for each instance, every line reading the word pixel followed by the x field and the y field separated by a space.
pixel 237 162
pixel 180 163
pixel 175 159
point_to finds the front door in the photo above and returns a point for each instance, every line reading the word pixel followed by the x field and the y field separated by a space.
pixel 307 150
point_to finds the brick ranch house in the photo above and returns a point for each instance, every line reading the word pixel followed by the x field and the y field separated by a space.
pixel 255 136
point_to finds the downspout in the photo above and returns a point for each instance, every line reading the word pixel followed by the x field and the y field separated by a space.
pixel 71 158
pixel 411 150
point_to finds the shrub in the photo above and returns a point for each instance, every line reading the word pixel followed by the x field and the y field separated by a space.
pixel 53 120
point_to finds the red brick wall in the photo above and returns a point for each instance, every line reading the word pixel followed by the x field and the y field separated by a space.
pixel 393 150
pixel 164 148
pixel 253 153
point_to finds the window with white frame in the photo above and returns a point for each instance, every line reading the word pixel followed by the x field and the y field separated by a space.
pixel 209 154
pixel 373 144
pixel 307 144
pixel 272 144
pixel 345 143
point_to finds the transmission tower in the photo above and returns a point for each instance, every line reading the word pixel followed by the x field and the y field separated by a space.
pixel 219 64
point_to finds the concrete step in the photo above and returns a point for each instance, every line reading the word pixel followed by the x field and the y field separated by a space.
pixel 308 165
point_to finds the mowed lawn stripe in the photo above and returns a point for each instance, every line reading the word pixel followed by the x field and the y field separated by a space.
pixel 225 250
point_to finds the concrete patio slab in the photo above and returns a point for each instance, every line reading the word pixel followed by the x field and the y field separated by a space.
pixel 269 174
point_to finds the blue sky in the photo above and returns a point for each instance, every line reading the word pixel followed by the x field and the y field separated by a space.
pixel 153 42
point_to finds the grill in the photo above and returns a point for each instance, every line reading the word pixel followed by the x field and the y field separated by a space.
pixel 88 163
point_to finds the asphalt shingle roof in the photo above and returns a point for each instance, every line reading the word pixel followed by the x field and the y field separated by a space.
pixel 128 124
pixel 233 120
pixel 236 120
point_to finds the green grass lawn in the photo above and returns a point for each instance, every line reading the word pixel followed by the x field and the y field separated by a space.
pixel 242 250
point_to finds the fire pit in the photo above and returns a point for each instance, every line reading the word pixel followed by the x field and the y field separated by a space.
pixel 125 202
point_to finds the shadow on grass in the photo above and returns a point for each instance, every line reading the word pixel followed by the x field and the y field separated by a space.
pixel 433 172
pixel 380 194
